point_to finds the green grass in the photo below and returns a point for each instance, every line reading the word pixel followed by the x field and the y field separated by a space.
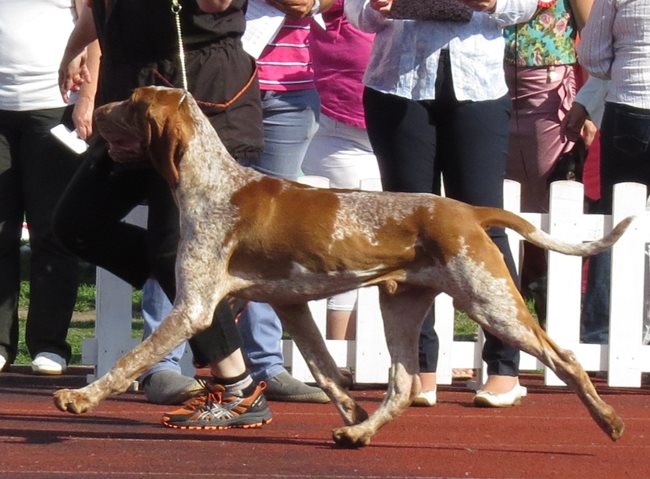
pixel 79 330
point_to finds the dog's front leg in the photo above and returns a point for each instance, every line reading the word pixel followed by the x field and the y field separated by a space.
pixel 179 326
pixel 299 323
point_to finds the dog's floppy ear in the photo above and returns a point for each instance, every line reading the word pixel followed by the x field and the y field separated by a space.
pixel 169 130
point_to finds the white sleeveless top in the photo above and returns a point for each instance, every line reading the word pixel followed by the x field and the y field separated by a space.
pixel 33 35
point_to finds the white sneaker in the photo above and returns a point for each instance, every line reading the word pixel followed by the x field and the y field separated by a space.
pixel 3 361
pixel 425 399
pixel 48 363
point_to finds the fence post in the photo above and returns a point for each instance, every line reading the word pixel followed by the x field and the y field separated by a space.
pixel 372 359
pixel 564 272
pixel 627 289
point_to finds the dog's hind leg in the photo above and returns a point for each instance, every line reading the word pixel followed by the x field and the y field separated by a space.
pixel 403 312
pixel 564 363
pixel 486 292
pixel 298 322
pixel 532 339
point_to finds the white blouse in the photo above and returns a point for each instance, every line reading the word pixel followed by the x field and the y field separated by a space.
pixel 405 53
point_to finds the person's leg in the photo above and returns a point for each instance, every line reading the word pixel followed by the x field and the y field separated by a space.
pixel 88 220
pixel 88 217
pixel 155 307
pixel 540 102
pixel 11 219
pixel 164 383
pixel 624 156
pixel 343 154
pixel 342 316
pixel 535 143
pixel 473 158
pixel 428 346
pixel 47 168
pixel 404 141
pixel 594 327
pixel 261 332
pixel 290 120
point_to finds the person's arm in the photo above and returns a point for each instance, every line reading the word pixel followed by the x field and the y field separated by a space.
pixel 511 12
pixel 73 70
pixel 368 15
pixel 585 115
pixel 213 6
pixel 592 95
pixel 487 6
pixel 596 47
pixel 82 115
pixel 580 10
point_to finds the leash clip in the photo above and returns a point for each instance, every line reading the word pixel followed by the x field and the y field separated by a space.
pixel 183 97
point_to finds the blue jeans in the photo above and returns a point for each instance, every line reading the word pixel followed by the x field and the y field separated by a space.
pixel 156 307
pixel 290 120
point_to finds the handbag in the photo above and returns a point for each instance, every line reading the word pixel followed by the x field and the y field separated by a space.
pixel 437 10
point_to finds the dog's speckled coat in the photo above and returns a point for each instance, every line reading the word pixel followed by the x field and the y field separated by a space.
pixel 276 241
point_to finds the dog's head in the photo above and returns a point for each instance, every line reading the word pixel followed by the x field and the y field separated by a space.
pixel 153 124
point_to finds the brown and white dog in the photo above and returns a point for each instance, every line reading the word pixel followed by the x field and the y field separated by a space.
pixel 276 241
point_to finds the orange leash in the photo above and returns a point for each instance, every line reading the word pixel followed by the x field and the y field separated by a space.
pixel 223 105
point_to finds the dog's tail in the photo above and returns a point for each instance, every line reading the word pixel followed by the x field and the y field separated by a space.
pixel 488 217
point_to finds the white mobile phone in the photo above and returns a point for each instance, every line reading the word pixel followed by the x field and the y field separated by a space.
pixel 69 138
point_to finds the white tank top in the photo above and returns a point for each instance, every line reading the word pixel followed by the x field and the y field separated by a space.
pixel 33 35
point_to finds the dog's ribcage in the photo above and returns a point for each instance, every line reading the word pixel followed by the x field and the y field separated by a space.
pixel 331 241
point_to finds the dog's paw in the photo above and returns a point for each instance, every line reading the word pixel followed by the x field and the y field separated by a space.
pixel 72 400
pixel 350 437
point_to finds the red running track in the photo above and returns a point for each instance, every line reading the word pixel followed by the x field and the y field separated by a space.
pixel 550 436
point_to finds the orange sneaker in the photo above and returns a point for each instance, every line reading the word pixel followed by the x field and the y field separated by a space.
pixel 216 409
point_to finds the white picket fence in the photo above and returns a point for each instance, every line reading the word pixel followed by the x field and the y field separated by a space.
pixel 624 358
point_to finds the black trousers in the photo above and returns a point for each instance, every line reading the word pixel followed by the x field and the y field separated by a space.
pixel 624 157
pixel 88 220
pixel 416 141
pixel 34 171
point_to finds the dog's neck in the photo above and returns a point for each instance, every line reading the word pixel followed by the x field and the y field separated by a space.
pixel 213 170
